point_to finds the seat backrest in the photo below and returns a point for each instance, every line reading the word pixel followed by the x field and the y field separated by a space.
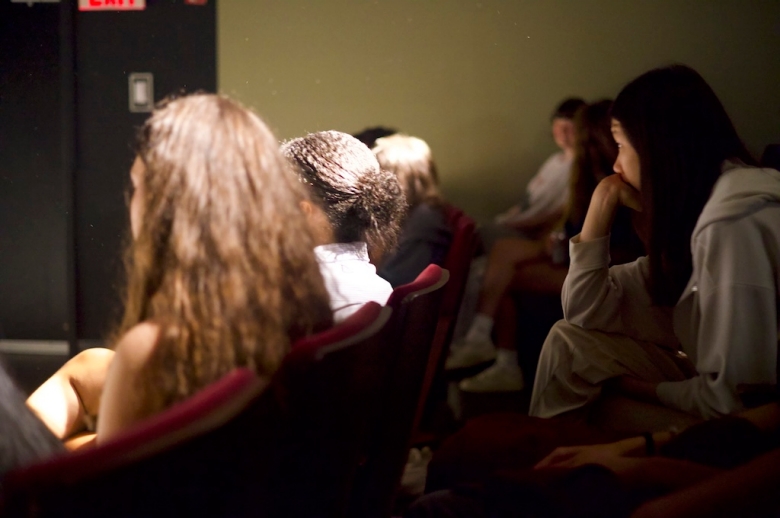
pixel 416 309
pixel 242 447
pixel 169 464
pixel 457 262
pixel 328 385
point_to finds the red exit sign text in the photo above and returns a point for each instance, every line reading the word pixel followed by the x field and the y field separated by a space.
pixel 112 5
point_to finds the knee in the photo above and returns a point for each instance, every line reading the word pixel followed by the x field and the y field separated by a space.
pixel 96 359
pixel 92 356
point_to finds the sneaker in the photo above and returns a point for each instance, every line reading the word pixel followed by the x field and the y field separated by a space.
pixel 467 354
pixel 496 378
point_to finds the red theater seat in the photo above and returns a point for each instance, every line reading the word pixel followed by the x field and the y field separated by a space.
pixel 240 447
pixel 416 309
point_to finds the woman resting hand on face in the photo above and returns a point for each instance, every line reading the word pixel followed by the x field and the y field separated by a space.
pixel 708 284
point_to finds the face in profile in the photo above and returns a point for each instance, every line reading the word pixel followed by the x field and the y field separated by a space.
pixel 627 162
pixel 563 133
pixel 136 202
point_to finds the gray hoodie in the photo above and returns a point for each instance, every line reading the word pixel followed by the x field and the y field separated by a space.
pixel 727 317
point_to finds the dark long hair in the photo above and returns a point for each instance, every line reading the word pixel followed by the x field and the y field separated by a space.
pixel 595 152
pixel 682 134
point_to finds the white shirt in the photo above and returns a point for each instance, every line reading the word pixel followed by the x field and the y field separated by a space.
pixel 547 192
pixel 350 278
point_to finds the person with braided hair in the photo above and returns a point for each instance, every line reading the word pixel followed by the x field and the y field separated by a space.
pixel 355 213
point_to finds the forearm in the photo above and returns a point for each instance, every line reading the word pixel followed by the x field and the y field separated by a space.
pixel 600 216
pixel 535 219
pixel 73 392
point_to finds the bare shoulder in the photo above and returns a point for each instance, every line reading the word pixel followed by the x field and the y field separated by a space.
pixel 137 344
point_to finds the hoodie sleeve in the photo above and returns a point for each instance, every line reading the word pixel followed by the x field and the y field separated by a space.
pixel 614 299
pixel 734 320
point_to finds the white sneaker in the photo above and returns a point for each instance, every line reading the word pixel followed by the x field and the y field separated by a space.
pixel 496 378
pixel 467 354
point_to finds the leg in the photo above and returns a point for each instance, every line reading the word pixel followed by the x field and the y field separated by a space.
pixel 505 374
pixel 575 362
pixel 505 257
pixel 477 346
pixel 66 401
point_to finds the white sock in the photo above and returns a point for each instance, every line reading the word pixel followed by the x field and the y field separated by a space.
pixel 506 358
pixel 480 329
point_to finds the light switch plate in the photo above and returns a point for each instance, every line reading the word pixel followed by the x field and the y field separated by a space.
pixel 141 92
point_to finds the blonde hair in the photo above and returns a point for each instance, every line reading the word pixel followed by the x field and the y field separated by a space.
pixel 409 158
pixel 223 259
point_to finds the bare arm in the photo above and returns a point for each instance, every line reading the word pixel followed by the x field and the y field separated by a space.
pixel 610 193
pixel 66 400
pixel 124 403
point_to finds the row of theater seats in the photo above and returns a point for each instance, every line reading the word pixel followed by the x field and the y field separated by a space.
pixel 327 435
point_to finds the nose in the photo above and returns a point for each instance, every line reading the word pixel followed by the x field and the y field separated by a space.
pixel 616 166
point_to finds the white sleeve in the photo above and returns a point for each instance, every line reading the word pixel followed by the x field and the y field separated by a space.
pixel 614 299
pixel 736 329
pixel 545 206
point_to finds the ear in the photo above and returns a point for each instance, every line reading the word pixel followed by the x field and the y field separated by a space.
pixel 307 208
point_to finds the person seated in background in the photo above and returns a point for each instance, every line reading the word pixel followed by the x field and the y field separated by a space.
pixel 547 192
pixel 726 466
pixel 708 286
pixel 370 135
pixel 355 213
pixel 521 266
pixel 221 271
pixel 426 237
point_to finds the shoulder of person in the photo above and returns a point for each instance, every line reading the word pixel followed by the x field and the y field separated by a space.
pixel 135 346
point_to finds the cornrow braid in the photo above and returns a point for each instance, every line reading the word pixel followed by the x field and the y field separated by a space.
pixel 362 202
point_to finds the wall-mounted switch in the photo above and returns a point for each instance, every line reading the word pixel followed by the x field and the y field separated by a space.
pixel 141 92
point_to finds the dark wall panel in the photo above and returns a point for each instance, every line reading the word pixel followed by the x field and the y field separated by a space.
pixel 33 219
pixel 175 42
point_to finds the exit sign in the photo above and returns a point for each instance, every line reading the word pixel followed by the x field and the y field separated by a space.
pixel 112 5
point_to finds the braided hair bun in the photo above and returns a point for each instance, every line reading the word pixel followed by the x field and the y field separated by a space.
pixel 362 202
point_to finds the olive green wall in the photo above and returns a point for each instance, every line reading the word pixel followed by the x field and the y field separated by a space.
pixel 478 79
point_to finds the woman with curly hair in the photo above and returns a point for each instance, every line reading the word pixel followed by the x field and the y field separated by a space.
pixel 355 213
pixel 221 272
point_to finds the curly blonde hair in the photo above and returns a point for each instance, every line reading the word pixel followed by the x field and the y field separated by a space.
pixel 223 259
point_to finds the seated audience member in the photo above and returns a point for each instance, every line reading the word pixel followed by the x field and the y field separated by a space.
pixel 708 283
pixel 425 238
pixel 221 272
pixel 370 135
pixel 721 467
pixel 547 192
pixel 355 214
pixel 23 437
pixel 531 267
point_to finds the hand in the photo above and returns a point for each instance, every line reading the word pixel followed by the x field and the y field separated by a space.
pixel 509 214
pixel 614 185
pixel 610 193
pixel 604 454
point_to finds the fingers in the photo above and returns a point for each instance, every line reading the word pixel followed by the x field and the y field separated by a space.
pixel 558 456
